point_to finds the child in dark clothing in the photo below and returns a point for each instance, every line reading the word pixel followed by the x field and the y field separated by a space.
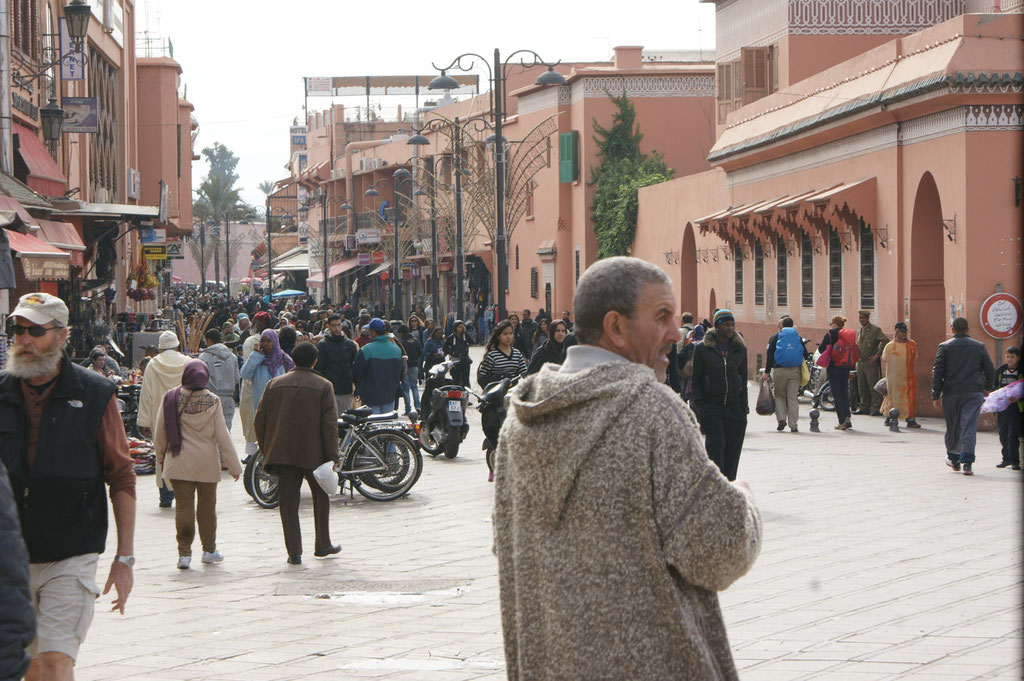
pixel 1010 419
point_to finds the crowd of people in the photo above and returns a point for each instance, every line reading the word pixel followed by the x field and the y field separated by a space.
pixel 623 372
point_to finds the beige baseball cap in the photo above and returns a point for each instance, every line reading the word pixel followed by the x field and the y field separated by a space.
pixel 42 308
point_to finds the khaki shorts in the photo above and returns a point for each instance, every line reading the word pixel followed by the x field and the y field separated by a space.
pixel 64 594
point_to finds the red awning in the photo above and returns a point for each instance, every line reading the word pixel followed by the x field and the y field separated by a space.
pixel 43 174
pixel 39 260
pixel 64 236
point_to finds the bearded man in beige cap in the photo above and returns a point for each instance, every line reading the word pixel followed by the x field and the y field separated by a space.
pixel 162 374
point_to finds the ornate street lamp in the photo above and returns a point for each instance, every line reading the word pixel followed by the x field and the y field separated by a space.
pixel 498 77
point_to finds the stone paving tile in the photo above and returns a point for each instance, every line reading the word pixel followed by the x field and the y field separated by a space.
pixel 878 563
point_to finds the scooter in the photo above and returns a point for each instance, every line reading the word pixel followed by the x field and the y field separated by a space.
pixel 443 425
pixel 493 406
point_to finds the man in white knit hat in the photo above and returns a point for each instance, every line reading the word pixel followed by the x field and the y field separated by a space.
pixel 162 373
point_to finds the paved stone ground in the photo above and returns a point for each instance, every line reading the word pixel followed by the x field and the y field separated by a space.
pixel 878 563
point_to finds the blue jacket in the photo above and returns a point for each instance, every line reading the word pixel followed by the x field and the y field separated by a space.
pixel 377 371
pixel 256 371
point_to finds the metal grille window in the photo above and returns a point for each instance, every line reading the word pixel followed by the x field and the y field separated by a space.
pixel 103 146
pixel 867 267
pixel 758 273
pixel 781 271
pixel 737 259
pixel 806 272
pixel 835 270
pixel 534 282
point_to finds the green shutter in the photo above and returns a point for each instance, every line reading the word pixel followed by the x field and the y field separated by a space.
pixel 568 156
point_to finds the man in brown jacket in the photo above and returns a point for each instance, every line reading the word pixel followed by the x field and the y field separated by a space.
pixel 297 429
pixel 611 553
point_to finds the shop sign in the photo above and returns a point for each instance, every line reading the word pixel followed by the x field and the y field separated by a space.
pixel 36 268
pixel 1001 316
pixel 72 64
pixel 368 237
pixel 154 251
pixel 365 259
pixel 378 257
pixel 83 115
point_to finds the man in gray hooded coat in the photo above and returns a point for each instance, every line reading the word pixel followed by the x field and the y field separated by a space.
pixel 611 551
pixel 224 373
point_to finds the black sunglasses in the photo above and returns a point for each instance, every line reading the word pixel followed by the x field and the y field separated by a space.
pixel 34 331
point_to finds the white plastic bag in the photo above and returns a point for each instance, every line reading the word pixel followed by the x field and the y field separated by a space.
pixel 326 477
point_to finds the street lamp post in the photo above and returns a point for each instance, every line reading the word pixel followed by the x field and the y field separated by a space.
pixel 498 75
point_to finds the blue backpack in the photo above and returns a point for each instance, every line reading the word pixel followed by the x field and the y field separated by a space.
pixel 789 351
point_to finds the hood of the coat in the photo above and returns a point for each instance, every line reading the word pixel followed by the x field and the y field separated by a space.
pixel 220 351
pixel 563 420
pixel 711 338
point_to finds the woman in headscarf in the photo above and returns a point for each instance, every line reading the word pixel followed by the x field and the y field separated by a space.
pixel 552 351
pixel 264 363
pixel 191 439
pixel 898 368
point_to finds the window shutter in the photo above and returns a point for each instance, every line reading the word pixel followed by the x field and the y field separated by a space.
pixel 755 66
pixel 568 156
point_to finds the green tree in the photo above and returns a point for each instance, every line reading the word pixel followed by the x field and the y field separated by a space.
pixel 623 170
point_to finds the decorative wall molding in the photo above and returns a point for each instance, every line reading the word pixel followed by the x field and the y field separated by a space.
pixel 643 86
pixel 748 23
pixel 869 17
pixel 973 118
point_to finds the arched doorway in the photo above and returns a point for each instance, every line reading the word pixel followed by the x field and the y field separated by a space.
pixel 688 278
pixel 712 304
pixel 928 317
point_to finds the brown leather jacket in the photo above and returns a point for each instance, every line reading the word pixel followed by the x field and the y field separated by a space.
pixel 297 421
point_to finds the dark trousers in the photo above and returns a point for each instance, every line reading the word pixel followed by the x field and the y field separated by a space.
pixel 460 373
pixel 1010 421
pixel 724 428
pixel 289 485
pixel 839 381
pixel 961 411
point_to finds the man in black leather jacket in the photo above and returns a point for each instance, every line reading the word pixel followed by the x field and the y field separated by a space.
pixel 719 395
pixel 960 378
pixel 17 616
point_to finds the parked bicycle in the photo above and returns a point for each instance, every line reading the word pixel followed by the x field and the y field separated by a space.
pixel 379 459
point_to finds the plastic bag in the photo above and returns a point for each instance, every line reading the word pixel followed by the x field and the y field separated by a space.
pixel 327 477
pixel 882 387
pixel 765 397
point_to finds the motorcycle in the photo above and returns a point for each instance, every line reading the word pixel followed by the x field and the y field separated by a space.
pixel 493 406
pixel 379 459
pixel 824 399
pixel 443 425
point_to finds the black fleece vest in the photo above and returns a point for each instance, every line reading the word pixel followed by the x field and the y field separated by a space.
pixel 61 500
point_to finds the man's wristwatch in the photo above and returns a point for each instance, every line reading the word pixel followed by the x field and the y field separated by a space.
pixel 126 560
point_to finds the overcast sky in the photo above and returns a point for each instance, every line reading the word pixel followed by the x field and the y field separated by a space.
pixel 243 62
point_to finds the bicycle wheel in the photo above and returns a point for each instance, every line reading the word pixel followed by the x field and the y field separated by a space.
pixel 402 466
pixel 263 484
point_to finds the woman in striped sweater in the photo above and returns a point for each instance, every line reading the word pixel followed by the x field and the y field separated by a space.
pixel 502 359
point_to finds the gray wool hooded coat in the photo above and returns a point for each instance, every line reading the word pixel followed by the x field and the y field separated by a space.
pixel 614 531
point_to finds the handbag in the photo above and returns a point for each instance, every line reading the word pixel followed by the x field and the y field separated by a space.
pixel 765 397
pixel 805 374
pixel 882 387
pixel 825 358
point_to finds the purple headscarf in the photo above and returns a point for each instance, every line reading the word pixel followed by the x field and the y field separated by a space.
pixel 276 358
pixel 195 376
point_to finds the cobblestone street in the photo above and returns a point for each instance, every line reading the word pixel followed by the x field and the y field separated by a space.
pixel 878 563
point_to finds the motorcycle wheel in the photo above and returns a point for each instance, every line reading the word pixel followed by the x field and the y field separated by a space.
pixel 429 444
pixel 451 445
pixel 263 484
pixel 403 466
pixel 825 399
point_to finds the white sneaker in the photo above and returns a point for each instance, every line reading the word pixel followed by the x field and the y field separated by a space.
pixel 184 562
pixel 214 557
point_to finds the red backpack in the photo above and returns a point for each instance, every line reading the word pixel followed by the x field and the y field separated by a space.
pixel 845 351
